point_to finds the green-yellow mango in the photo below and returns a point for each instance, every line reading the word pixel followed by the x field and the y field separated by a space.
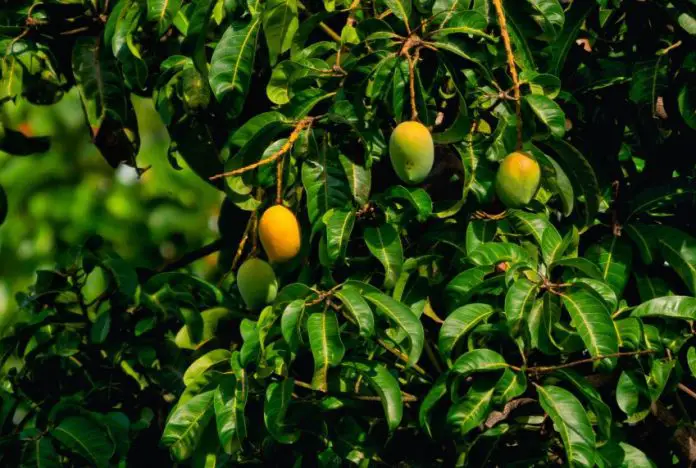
pixel 411 151
pixel 257 283
pixel 517 180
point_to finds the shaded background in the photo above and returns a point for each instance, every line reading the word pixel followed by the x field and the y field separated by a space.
pixel 60 198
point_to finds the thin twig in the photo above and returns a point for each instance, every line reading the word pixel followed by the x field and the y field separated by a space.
pixel 511 64
pixel 279 181
pixel 301 125
pixel 432 356
pixel 686 390
pixel 323 296
pixel 406 397
pixel 546 369
pixel 243 241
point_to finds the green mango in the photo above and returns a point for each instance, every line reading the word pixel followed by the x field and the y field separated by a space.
pixel 411 151
pixel 517 180
pixel 257 283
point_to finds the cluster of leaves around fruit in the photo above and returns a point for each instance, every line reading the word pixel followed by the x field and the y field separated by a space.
pixel 411 328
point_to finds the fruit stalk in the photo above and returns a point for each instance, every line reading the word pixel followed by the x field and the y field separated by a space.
pixel 513 70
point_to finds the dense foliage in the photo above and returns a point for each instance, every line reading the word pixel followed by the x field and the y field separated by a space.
pixel 419 325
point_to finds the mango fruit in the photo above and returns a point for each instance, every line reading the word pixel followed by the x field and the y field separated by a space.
pixel 279 232
pixel 411 151
pixel 257 283
pixel 517 180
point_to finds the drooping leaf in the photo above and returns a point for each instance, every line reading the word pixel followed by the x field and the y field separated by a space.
pixel 599 407
pixel 592 318
pixel 400 8
pixel 205 362
pixel 519 301
pixel 40 453
pixel 384 243
pixel 571 420
pixel 434 395
pixel 548 112
pixel 162 12
pixel 479 232
pixel 339 226
pixel 325 342
pixel 479 360
pixel 385 385
pixel 275 408
pixel 467 413
pixel 86 438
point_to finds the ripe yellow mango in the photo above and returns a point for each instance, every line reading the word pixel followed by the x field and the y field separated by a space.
pixel 517 180
pixel 411 151
pixel 257 283
pixel 280 234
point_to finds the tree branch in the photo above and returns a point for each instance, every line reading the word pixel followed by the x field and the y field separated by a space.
pixel 192 256
pixel 547 369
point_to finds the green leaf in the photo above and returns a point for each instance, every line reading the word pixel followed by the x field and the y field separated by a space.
pixel 462 285
pixel 275 408
pixel 680 307
pixel 280 23
pixel 601 288
pixel 592 318
pixel 291 323
pixel 557 180
pixel 479 232
pixel 571 421
pixel 86 438
pixel 581 264
pixel 198 21
pixel 400 8
pixel 186 424
pixel 519 301
pixel 550 16
pixel 548 112
pixel 492 253
pixel 40 453
pixel 544 233
pixel 479 360
pixel 358 308
pixel 511 385
pixel 614 257
pixel 325 183
pixel 632 395
pixel 229 414
pixel 600 409
pixel 659 197
pixel 434 395
pixel 467 413
pixel 540 323
pixel 385 244
pixel 630 332
pixel 459 323
pixel 397 313
pixel 232 64
pixel 205 362
pixel 162 12
pixel 339 226
pixel 623 455
pixel 386 386
pixel 100 327
pixel 359 179
pixel 581 174
pixel 417 198
pixel 327 347
pixel 463 22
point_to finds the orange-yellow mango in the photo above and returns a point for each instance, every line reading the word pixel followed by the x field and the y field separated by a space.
pixel 517 180
pixel 280 234
pixel 411 151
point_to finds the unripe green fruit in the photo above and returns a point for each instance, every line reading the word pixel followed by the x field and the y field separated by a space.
pixel 411 151
pixel 257 283
pixel 517 180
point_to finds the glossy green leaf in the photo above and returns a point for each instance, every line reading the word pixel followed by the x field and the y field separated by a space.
pixel 600 409
pixel 339 226
pixel 280 23
pixel 275 408
pixel 492 253
pixel 325 184
pixel 479 360
pixel 86 438
pixel 358 308
pixel 479 232
pixel 359 179
pixel 40 453
pixel 416 197
pixel 162 12
pixel 400 8
pixel 548 112
pixel 614 257
pixel 186 424
pixel 397 313
pixel 467 413
pixel 592 318
pixel 327 347
pixel 459 323
pixel 385 385
pixel 434 395
pixel 519 301
pixel 232 64
pixel 205 362
pixel 384 243
pixel 571 421
pixel 291 323
pixel 680 307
